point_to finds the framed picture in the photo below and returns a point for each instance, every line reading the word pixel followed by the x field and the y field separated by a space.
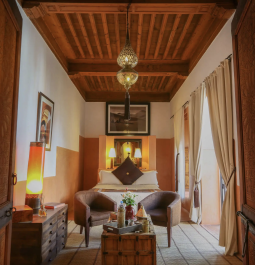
pixel 139 124
pixel 45 112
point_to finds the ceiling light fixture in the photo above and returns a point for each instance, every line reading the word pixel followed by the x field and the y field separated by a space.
pixel 127 76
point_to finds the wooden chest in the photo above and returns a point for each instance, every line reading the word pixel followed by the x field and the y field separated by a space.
pixel 39 242
pixel 129 249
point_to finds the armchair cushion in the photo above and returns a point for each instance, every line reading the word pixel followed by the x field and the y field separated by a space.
pixel 158 215
pixel 127 172
pixel 99 215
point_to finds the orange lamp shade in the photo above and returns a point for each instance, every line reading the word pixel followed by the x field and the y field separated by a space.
pixel 35 168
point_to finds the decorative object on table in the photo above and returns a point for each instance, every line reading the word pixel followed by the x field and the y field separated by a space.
pixel 113 228
pixel 127 172
pixel 42 210
pixel 112 155
pixel 138 155
pixel 54 205
pixel 121 216
pixel 127 76
pixel 164 208
pixel 146 226
pixel 44 125
pixel 40 241
pixel 22 213
pixel 131 222
pixel 35 172
pixel 141 214
pixel 113 216
pixel 139 123
pixel 129 200
pixel 92 209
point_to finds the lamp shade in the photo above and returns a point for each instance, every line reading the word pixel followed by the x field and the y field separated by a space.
pixel 112 152
pixel 35 168
pixel 138 153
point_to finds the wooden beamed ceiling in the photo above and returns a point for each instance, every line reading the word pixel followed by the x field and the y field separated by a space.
pixel 168 38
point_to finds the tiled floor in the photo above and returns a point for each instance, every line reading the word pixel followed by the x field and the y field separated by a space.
pixel 191 244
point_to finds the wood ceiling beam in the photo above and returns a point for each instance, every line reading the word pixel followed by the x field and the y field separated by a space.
pixel 184 31
pixel 161 34
pixel 94 29
pixel 147 83
pixel 172 34
pixel 156 7
pixel 152 22
pixel 161 83
pixel 142 69
pixel 139 34
pixel 171 83
pixel 105 96
pixel 117 32
pixel 73 32
pixel 106 35
pixel 154 84
pixel 106 83
pixel 85 35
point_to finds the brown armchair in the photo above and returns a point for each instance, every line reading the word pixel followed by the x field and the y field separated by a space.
pixel 91 209
pixel 164 208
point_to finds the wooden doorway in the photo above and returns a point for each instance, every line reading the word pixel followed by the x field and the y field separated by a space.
pixel 10 43
pixel 243 28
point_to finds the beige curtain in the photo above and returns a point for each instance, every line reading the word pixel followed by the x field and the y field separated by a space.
pixel 218 89
pixel 196 105
pixel 180 149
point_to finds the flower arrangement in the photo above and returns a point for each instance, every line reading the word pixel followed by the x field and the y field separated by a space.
pixel 129 198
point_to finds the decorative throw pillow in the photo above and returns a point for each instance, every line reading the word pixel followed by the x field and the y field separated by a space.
pixel 106 177
pixel 148 178
pixel 127 172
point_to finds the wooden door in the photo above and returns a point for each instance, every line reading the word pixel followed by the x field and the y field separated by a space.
pixel 243 32
pixel 10 42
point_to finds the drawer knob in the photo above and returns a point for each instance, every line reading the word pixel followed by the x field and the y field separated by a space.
pixel 63 227
pixel 63 221
pixel 63 213
pixel 50 260
pixel 50 250
pixel 51 232
pixel 63 244
pixel 50 223
pixel 49 241
pixel 63 236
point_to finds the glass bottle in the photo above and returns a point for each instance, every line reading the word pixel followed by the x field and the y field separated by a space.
pixel 121 215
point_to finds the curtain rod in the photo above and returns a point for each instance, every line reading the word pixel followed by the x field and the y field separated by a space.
pixel 182 107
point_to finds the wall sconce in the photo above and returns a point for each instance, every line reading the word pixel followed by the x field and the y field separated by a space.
pixel 138 155
pixel 35 172
pixel 112 154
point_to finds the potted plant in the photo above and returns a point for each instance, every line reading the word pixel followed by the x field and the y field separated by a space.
pixel 129 200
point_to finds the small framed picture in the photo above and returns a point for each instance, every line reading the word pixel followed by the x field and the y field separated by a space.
pixel 45 113
pixel 139 123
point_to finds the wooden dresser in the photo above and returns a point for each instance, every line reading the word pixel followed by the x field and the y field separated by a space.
pixel 39 242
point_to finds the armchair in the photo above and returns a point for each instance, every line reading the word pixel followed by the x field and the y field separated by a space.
pixel 164 208
pixel 91 209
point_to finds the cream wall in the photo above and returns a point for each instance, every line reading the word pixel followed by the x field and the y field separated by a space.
pixel 220 48
pixel 95 114
pixel 40 71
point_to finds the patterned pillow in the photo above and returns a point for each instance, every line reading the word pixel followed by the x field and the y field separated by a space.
pixel 127 172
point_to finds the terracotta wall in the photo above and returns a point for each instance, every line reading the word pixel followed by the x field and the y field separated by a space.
pixel 63 186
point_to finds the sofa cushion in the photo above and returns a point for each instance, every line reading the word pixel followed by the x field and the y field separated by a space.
pixel 127 172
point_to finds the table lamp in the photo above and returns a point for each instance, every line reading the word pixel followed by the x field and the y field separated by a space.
pixel 35 172
pixel 138 155
pixel 112 154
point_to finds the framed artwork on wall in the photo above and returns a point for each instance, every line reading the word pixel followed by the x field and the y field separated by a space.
pixel 45 111
pixel 139 124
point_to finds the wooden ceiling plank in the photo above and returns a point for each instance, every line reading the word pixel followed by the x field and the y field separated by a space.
pixel 105 96
pixel 59 35
pixel 106 83
pixel 94 29
pixel 73 32
pixel 117 32
pixel 171 83
pixel 147 84
pixel 139 35
pixel 172 34
pixel 106 34
pixel 184 31
pixel 152 22
pixel 84 84
pixel 161 83
pixel 100 83
pixel 140 88
pixel 93 83
pixel 161 34
pixel 85 35
pixel 176 88
pixel 154 84
pixel 113 84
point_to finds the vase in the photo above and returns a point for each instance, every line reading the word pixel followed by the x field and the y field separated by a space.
pixel 129 212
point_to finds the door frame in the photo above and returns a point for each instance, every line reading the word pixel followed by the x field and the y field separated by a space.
pixel 14 13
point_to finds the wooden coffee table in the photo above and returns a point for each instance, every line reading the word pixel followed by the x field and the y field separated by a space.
pixel 130 248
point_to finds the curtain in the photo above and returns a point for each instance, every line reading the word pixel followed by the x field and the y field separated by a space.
pixel 180 151
pixel 196 105
pixel 218 87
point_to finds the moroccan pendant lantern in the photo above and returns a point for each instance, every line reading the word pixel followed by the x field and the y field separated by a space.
pixel 127 76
